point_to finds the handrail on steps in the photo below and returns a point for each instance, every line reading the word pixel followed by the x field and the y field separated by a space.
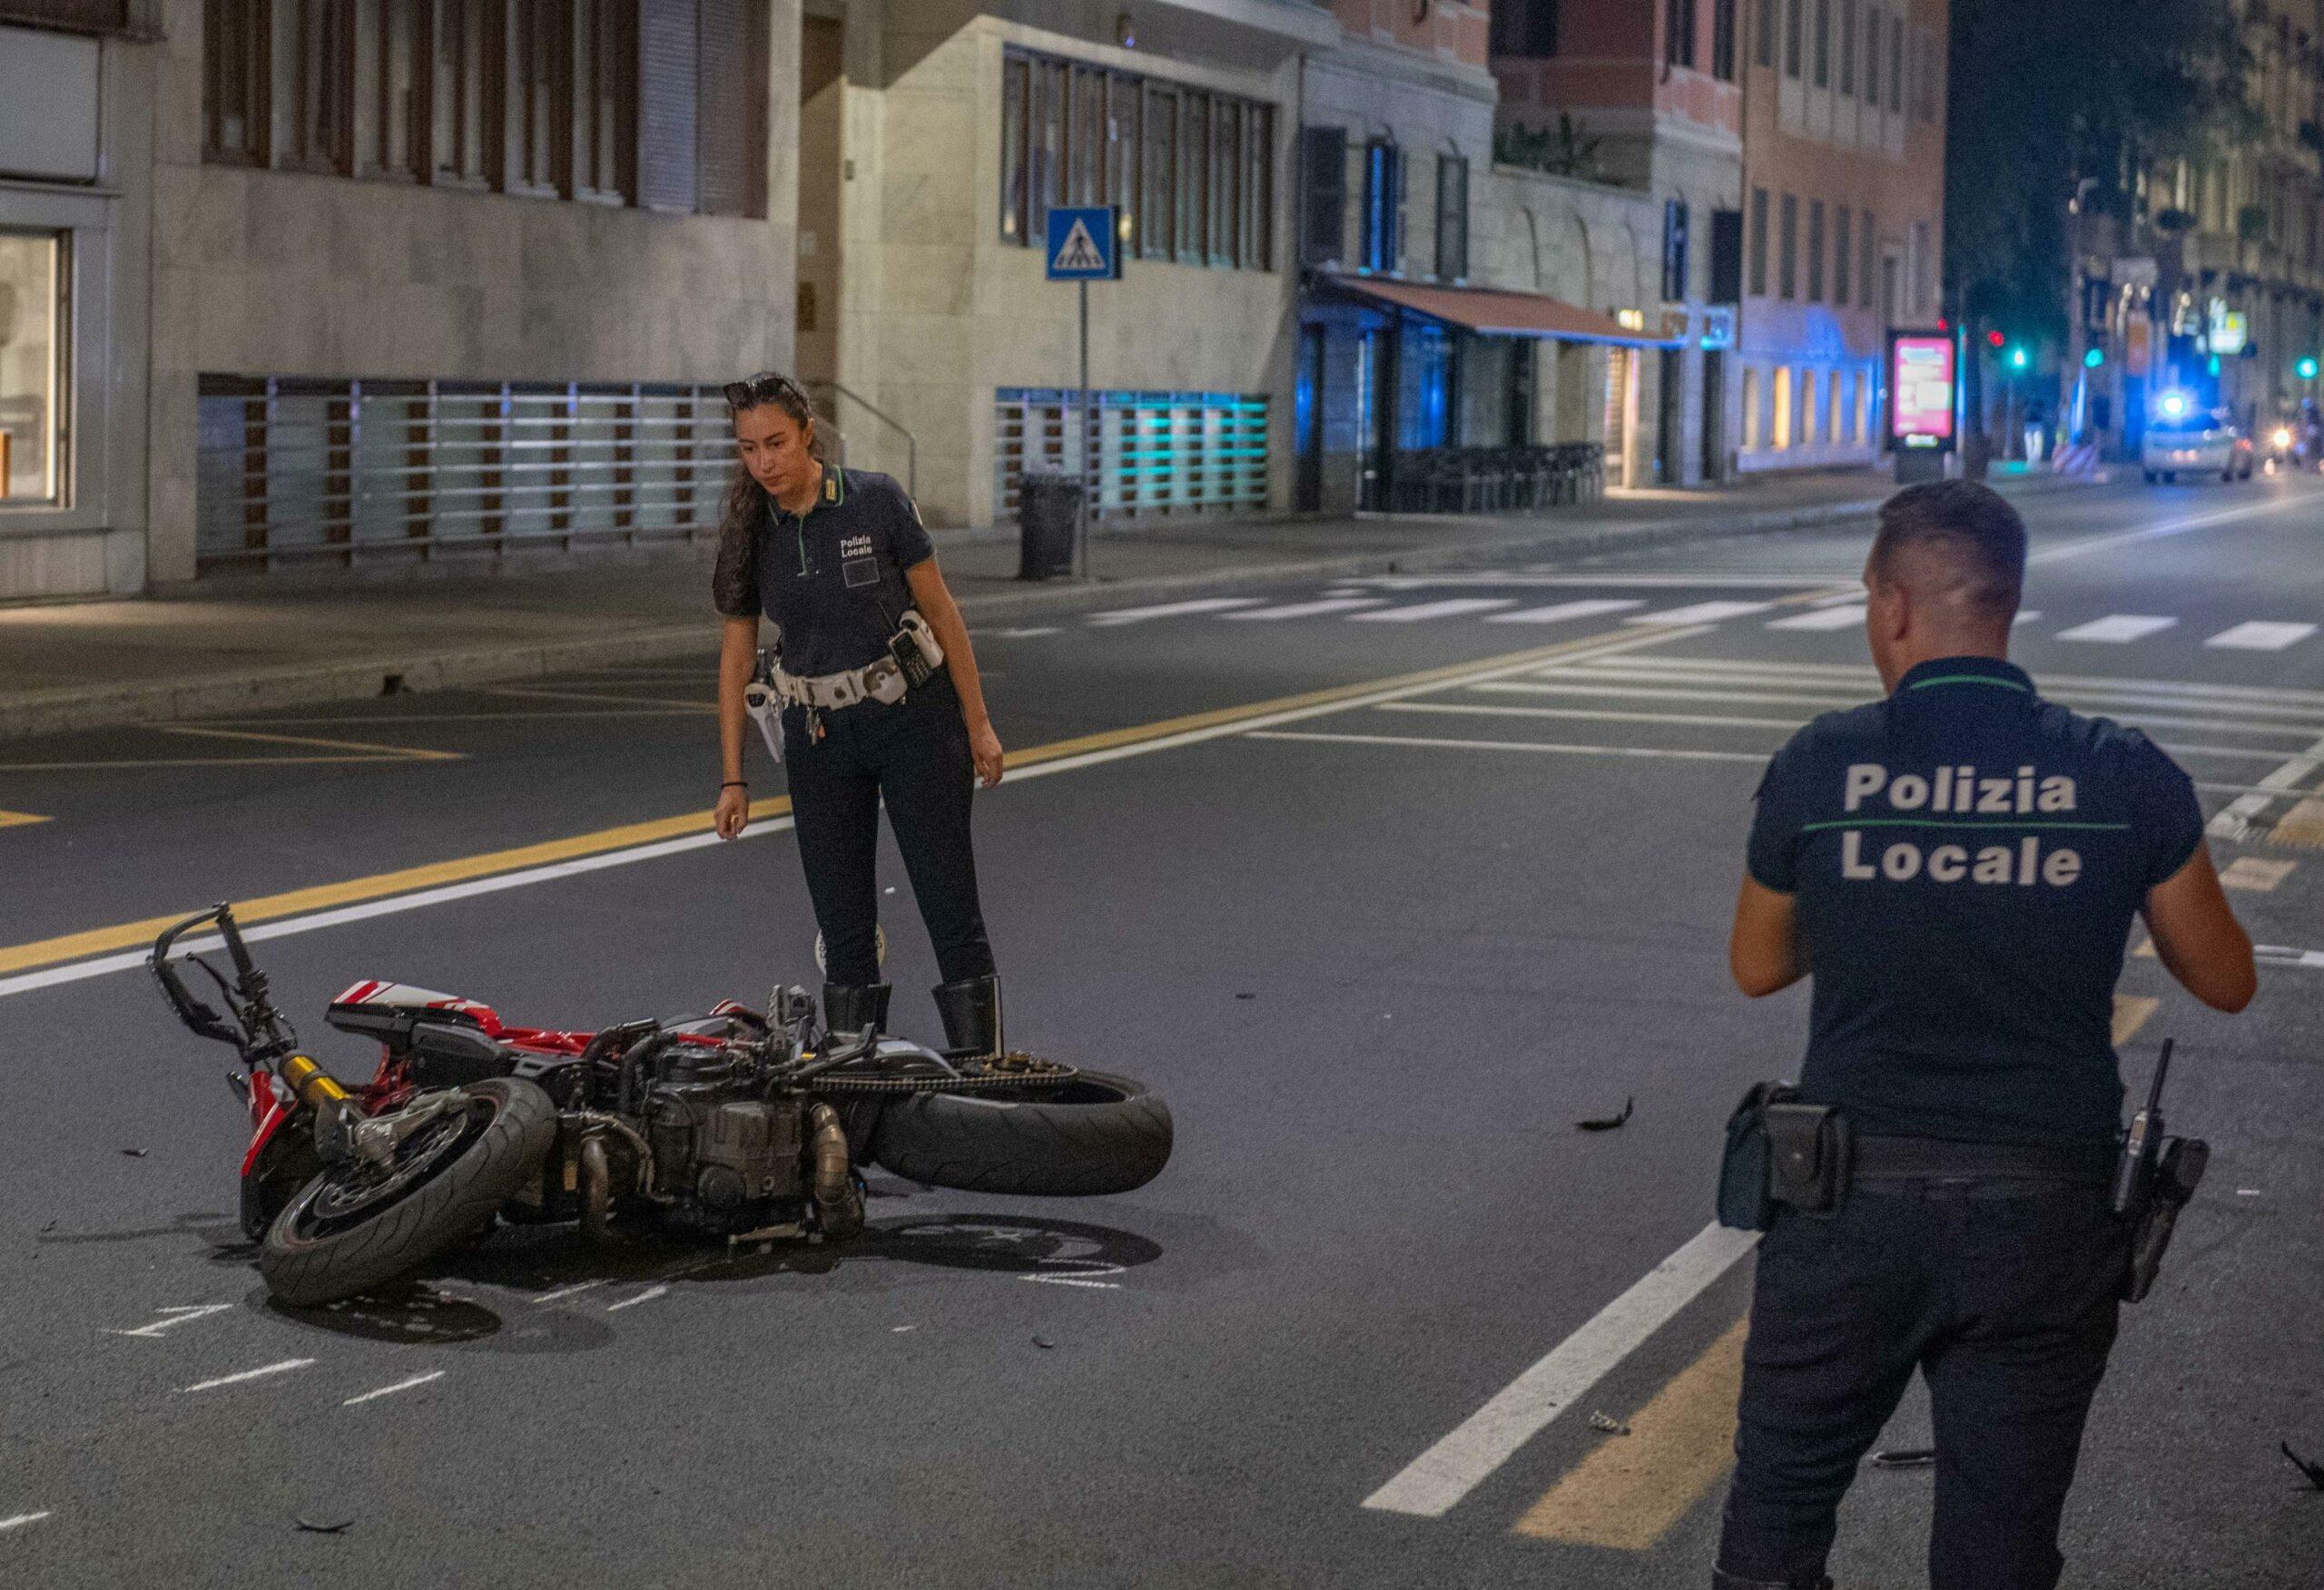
pixel 911 443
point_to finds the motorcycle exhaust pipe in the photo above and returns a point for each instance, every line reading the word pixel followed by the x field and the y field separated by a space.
pixel 839 1208
pixel 596 1189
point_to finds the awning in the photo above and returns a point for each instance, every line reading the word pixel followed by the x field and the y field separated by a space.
pixel 1494 313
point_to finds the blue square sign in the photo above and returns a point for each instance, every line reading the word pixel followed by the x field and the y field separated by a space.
pixel 1085 244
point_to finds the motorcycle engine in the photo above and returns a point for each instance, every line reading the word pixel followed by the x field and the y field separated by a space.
pixel 721 1150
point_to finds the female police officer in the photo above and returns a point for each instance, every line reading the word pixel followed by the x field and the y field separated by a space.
pixel 838 560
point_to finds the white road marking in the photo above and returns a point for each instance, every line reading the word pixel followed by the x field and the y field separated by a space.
pixel 1689 720
pixel 2259 636
pixel 416 1381
pixel 1754 757
pixel 567 1291
pixel 2233 718
pixel 2118 628
pixel 1451 607
pixel 1846 615
pixel 1701 612
pixel 2277 954
pixel 284 1368
pixel 103 965
pixel 21 1519
pixel 1027 634
pixel 1854 674
pixel 1121 615
pixel 2235 821
pixel 648 1296
pixel 183 1314
pixel 1072 1281
pixel 2084 547
pixel 1559 612
pixel 1436 1480
pixel 1684 579
pixel 1315 609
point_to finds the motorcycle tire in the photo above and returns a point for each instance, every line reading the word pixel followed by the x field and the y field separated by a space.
pixel 454 1178
pixel 1095 1134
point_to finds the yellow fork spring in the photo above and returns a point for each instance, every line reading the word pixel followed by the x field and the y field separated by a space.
pixel 311 1081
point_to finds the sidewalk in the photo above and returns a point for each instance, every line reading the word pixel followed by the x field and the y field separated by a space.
pixel 237 646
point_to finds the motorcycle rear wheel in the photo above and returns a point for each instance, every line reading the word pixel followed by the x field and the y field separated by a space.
pixel 354 1228
pixel 1092 1135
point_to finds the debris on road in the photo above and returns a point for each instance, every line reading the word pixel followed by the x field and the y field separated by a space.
pixel 1607 1424
pixel 136 1152
pixel 1609 1123
pixel 1043 1342
pixel 1247 996
pixel 1906 1458
pixel 308 1526
pixel 2315 1471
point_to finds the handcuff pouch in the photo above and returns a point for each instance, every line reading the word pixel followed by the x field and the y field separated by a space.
pixel 1782 1152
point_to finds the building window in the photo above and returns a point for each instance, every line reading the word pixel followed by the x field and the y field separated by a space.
pixel 536 80
pixel 1679 31
pixel 1864 282
pixel 1258 189
pixel 1125 100
pixel 1787 255
pixel 1675 220
pixel 1896 68
pixel 1782 429
pixel 1843 256
pixel 1792 36
pixel 1722 39
pixel 460 99
pixel 1322 195
pixel 1927 79
pixel 392 74
pixel 1159 223
pixel 1758 242
pixel 1525 27
pixel 237 69
pixel 34 270
pixel 1046 174
pixel 1194 178
pixel 1807 410
pixel 604 101
pixel 1016 153
pixel 1451 217
pixel 1751 411
pixel 321 53
pixel 1726 256
pixel 1226 183
pixel 1763 46
pixel 1383 206
pixel 1815 250
pixel 1872 56
pixel 1847 46
pixel 1822 43
pixel 1084 138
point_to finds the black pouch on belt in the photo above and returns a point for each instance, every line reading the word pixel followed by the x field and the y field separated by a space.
pixel 1781 1151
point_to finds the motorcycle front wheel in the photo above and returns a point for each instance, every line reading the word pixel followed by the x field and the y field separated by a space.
pixel 360 1224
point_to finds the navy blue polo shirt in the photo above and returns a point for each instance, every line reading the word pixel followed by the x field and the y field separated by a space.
pixel 830 579
pixel 1967 859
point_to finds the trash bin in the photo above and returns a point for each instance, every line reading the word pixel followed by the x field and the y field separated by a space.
pixel 1048 516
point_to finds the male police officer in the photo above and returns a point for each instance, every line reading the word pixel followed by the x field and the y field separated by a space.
pixel 1958 866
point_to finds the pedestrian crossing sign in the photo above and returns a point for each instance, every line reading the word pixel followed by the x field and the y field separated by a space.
pixel 1085 244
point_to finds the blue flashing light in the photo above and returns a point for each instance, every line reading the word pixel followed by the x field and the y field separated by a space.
pixel 2172 404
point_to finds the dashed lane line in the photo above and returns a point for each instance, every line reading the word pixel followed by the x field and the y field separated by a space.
pixel 2089 545
pixel 1432 1484
pixel 1122 615
pixel 2236 821
pixel 1632 1490
pixel 100 951
pixel 18 1520
pixel 19 818
pixel 1565 612
pixel 182 1314
pixel 413 1384
pixel 2277 954
pixel 565 1291
pixel 392 752
pixel 648 1296
pixel 1451 607
pixel 1702 613
pixel 2118 629
pixel 1428 742
pixel 2257 636
pixel 266 1371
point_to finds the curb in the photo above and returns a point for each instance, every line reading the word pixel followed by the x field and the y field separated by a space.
pixel 48 712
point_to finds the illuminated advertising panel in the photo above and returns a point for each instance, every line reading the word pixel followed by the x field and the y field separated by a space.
pixel 1921 389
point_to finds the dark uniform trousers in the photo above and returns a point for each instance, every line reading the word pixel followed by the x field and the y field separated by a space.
pixel 914 756
pixel 2002 1293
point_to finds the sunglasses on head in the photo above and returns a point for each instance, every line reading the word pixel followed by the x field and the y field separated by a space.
pixel 765 388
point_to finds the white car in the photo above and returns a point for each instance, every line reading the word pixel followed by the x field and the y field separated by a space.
pixel 2192 441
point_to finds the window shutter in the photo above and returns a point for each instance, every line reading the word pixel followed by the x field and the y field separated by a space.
pixel 1726 256
pixel 668 82
pixel 733 108
pixel 1322 180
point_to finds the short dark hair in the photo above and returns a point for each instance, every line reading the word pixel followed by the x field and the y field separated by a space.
pixel 1967 525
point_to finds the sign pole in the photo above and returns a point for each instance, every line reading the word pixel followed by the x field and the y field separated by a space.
pixel 1088 498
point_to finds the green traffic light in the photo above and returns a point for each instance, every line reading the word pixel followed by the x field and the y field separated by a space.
pixel 2307 368
pixel 2096 357
pixel 2019 359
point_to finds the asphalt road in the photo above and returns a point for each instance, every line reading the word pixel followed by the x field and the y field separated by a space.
pixel 1381 951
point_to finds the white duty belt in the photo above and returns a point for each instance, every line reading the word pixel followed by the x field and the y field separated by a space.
pixel 880 681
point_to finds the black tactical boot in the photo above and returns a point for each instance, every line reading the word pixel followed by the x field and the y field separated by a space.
pixel 850 1008
pixel 970 1010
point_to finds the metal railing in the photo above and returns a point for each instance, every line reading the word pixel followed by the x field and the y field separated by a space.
pixel 911 443
pixel 297 472
pixel 1483 480
pixel 1151 454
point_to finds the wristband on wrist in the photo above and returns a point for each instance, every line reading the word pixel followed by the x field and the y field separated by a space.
pixel 735 784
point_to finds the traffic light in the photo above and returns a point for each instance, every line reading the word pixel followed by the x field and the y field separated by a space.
pixel 2213 365
pixel 2096 359
pixel 2307 367
pixel 2019 359
pixel 1996 338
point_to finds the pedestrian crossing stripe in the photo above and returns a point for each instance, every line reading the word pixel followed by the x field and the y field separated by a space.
pixel 1080 251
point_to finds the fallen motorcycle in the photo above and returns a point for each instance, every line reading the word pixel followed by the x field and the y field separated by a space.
pixel 742 1124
